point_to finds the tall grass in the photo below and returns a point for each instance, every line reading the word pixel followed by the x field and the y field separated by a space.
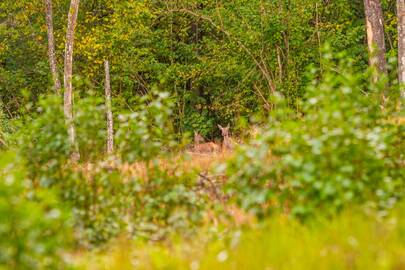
pixel 353 240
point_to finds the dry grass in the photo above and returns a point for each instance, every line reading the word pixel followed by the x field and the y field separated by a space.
pixel 399 121
pixel 182 162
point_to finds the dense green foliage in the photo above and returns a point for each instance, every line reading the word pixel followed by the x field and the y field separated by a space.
pixel 33 227
pixel 45 146
pixel 219 60
pixel 340 151
pixel 105 200
pixel 107 203
pixel 143 134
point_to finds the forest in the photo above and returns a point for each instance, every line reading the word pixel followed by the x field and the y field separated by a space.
pixel 202 134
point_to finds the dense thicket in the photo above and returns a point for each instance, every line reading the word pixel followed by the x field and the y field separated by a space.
pixel 219 59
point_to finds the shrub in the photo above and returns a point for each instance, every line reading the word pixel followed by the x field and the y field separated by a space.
pixel 33 229
pixel 44 142
pixel 169 202
pixel 108 202
pixel 143 134
pixel 340 151
pixel 91 127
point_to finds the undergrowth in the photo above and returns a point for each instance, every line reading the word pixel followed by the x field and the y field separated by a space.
pixel 353 240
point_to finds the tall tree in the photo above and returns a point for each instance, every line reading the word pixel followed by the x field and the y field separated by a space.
pixel 375 35
pixel 401 43
pixel 51 46
pixel 68 97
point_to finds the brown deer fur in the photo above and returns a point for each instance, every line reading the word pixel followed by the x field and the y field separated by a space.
pixel 227 143
pixel 201 147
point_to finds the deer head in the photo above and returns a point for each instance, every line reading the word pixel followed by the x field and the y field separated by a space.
pixel 224 131
pixel 198 138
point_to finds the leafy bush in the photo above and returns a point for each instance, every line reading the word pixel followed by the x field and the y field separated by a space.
pixel 340 151
pixel 143 134
pixel 99 199
pixel 108 201
pixel 33 228
pixel 44 142
pixel 169 202
pixel 91 127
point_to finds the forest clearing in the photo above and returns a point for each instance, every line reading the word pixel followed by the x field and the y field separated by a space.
pixel 202 134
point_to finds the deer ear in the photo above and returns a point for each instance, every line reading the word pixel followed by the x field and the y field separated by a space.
pixel 228 126
pixel 220 127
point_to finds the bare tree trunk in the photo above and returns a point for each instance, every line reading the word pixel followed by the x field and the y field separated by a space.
pixel 318 35
pixel 375 35
pixel 110 131
pixel 68 97
pixel 401 44
pixel 51 46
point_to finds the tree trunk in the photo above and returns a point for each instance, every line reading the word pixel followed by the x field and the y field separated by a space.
pixel 51 46
pixel 110 131
pixel 68 97
pixel 401 44
pixel 375 36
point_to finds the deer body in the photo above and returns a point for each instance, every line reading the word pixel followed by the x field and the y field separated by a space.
pixel 201 147
pixel 227 143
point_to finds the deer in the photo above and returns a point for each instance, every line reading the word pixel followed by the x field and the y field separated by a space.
pixel 201 147
pixel 227 143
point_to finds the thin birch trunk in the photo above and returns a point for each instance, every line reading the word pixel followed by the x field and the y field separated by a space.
pixel 318 35
pixel 401 45
pixel 110 130
pixel 68 97
pixel 375 36
pixel 51 46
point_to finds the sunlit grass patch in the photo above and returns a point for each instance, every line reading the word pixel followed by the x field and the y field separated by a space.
pixel 353 240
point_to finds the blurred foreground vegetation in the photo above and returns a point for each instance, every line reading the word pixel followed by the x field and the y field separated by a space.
pixel 352 240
